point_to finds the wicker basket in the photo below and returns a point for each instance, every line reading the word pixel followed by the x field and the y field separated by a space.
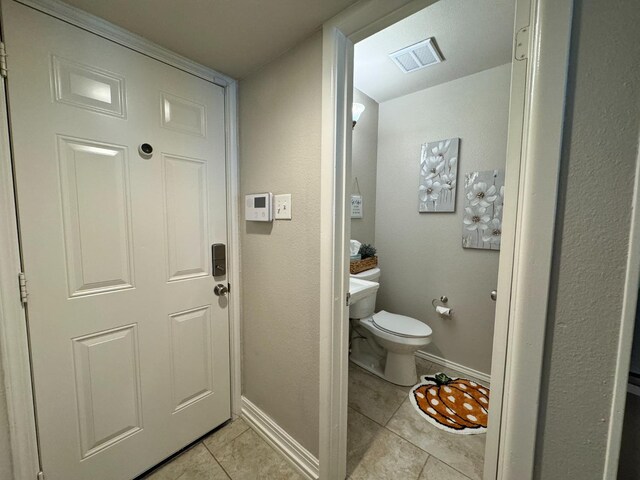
pixel 357 266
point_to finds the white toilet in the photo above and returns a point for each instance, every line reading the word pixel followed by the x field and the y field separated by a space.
pixel 383 343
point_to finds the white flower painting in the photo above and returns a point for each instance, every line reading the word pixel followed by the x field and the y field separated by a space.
pixel 483 203
pixel 438 176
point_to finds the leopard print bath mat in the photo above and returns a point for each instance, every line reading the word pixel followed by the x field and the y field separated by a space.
pixel 456 405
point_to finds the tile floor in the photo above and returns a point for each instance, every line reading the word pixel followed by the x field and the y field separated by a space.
pixel 234 452
pixel 386 440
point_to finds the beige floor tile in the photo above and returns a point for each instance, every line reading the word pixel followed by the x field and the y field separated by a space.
pixel 372 396
pixel 361 431
pixel 424 367
pixel 249 457
pixel 194 464
pixel 465 453
pixel 389 458
pixel 437 470
pixel 220 438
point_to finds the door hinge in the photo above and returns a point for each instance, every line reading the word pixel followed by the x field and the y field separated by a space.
pixel 522 44
pixel 3 60
pixel 348 298
pixel 40 476
pixel 22 281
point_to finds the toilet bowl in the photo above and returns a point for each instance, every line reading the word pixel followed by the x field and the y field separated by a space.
pixel 383 343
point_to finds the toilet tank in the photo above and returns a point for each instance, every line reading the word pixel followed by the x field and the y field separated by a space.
pixel 373 275
pixel 365 308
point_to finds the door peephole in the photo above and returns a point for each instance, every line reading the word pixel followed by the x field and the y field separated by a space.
pixel 145 150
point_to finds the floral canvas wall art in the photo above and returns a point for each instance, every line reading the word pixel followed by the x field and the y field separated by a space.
pixel 483 204
pixel 438 174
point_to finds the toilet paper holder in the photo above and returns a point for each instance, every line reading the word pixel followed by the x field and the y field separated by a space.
pixel 443 299
pixel 442 310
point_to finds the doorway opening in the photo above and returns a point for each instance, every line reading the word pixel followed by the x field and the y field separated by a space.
pixel 428 159
pixel 414 151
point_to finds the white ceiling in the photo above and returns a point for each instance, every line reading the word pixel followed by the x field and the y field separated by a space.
pixel 234 37
pixel 472 36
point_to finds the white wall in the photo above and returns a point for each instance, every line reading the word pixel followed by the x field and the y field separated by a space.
pixel 364 167
pixel 600 146
pixel 280 108
pixel 421 254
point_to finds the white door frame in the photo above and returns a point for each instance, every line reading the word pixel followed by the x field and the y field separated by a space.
pixel 533 161
pixel 14 347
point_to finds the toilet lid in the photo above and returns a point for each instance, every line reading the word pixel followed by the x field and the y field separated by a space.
pixel 401 325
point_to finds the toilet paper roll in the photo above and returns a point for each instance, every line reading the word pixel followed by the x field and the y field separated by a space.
pixel 444 311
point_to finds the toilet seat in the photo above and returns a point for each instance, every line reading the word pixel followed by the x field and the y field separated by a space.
pixel 400 325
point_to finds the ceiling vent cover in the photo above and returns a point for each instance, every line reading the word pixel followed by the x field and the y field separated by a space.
pixel 417 56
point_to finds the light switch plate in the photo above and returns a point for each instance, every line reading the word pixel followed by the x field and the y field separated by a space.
pixel 282 206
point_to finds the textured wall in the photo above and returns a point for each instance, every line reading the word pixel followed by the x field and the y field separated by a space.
pixel 596 184
pixel 280 113
pixel 364 166
pixel 421 254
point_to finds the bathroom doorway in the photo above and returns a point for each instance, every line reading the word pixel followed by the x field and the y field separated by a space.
pixel 421 175
pixel 429 147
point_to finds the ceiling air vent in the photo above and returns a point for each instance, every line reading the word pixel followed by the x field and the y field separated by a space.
pixel 417 56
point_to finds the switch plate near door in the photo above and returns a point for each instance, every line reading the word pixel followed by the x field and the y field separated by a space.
pixel 282 206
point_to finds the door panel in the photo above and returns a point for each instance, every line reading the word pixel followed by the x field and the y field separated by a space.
pixel 130 347
pixel 88 87
pixel 187 217
pixel 94 184
pixel 191 359
pixel 183 115
pixel 107 388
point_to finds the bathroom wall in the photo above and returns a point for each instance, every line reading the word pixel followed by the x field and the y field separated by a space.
pixel 280 111
pixel 599 154
pixel 421 254
pixel 364 167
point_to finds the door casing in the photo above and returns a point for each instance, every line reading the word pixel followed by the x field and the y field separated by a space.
pixel 533 161
pixel 14 349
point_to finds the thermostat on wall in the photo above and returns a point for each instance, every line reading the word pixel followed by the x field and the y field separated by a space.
pixel 258 207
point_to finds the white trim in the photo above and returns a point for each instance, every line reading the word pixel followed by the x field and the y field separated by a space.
pixel 233 246
pixel 14 343
pixel 15 353
pixel 102 28
pixel 339 33
pixel 474 374
pixel 333 363
pixel 279 439
pixel 516 137
pixel 621 383
pixel 523 285
pixel 521 366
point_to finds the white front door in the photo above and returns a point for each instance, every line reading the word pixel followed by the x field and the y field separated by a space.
pixel 129 344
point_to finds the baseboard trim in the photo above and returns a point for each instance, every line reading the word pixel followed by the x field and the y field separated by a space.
pixel 456 366
pixel 307 464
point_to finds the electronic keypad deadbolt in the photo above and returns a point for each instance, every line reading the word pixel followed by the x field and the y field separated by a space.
pixel 219 259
